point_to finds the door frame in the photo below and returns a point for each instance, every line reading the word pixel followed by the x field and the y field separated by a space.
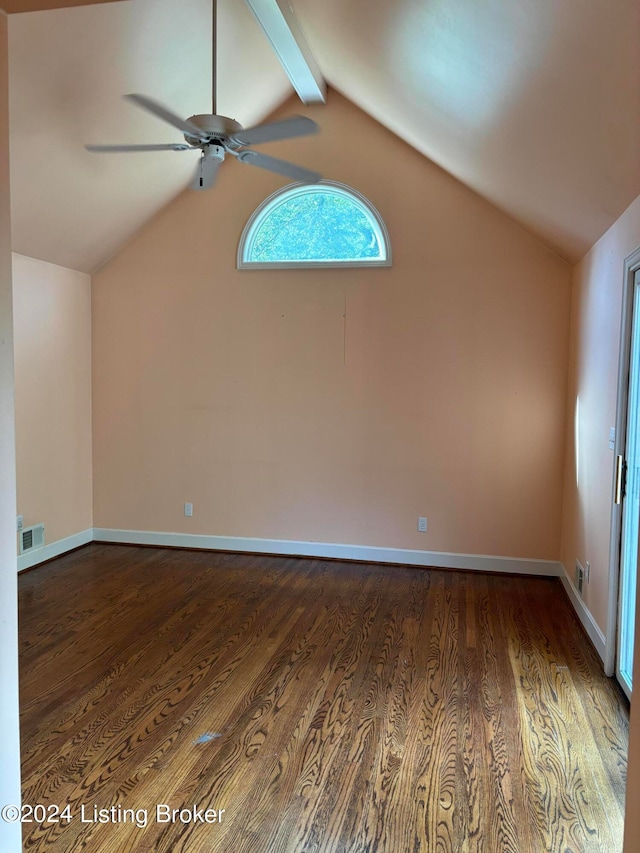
pixel 631 266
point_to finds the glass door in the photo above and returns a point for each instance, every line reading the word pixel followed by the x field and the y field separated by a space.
pixel 630 472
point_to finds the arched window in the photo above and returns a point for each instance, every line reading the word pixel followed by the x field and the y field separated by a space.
pixel 314 225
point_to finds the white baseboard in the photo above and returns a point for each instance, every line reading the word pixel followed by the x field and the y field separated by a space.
pixel 54 549
pixel 369 554
pixel 584 615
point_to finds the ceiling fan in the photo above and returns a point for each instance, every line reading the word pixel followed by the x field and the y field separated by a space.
pixel 215 136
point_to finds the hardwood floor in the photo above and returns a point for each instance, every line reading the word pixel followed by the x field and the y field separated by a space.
pixel 323 706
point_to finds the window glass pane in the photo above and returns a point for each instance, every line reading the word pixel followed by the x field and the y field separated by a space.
pixel 315 224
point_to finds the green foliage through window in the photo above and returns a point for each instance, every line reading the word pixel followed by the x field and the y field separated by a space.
pixel 314 224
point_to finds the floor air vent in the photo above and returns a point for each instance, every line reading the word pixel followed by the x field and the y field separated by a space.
pixel 31 538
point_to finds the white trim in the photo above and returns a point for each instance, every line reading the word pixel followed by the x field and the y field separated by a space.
pixel 287 39
pixel 55 549
pixel 584 615
pixel 280 196
pixel 366 553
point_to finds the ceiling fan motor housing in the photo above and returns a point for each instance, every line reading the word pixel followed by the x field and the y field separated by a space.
pixel 217 127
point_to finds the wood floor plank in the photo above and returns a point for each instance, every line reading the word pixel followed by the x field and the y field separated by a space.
pixel 320 706
pixel 580 818
pixel 291 780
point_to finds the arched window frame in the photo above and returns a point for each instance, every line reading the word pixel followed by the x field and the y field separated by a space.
pixel 262 212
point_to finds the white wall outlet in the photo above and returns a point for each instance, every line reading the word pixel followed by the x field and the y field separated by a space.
pixel 579 576
pixel 587 570
pixel 188 510
pixel 20 522
pixel 612 438
pixel 422 524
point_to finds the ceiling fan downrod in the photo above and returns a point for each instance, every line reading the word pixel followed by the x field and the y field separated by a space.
pixel 214 31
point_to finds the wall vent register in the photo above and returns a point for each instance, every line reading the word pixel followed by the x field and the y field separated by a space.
pixel 31 538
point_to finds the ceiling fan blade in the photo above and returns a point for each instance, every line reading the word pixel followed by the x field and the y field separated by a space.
pixel 173 146
pixel 285 129
pixel 206 174
pixel 282 167
pixel 163 113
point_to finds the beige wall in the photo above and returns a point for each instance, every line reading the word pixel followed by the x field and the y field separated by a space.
pixel 593 379
pixel 52 329
pixel 336 405
pixel 9 720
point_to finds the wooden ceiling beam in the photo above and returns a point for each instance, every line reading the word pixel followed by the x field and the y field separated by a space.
pixel 281 27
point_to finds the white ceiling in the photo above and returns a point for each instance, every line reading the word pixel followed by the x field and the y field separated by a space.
pixel 533 103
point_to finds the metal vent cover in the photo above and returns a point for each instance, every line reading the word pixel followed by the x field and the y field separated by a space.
pixel 31 538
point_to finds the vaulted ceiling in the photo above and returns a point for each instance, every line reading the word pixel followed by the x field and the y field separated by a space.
pixel 534 104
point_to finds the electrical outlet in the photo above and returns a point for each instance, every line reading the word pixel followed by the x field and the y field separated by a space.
pixel 422 524
pixel 20 522
pixel 188 510
pixel 587 570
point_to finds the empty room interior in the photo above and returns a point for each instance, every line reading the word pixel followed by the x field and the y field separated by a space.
pixel 319 497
